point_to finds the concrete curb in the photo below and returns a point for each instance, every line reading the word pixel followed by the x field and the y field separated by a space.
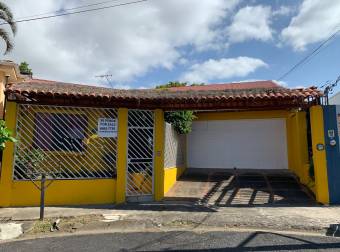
pixel 198 230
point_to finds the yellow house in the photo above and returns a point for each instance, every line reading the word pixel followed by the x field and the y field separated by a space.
pixel 9 72
pixel 100 145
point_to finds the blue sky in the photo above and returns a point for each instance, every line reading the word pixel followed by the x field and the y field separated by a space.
pixel 211 41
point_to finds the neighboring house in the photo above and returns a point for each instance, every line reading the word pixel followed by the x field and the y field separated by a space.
pixel 9 72
pixel 104 145
pixel 335 99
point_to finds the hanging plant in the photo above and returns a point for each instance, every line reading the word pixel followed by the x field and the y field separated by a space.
pixel 181 120
pixel 5 135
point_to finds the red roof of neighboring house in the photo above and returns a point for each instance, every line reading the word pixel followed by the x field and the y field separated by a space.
pixel 230 86
pixel 247 95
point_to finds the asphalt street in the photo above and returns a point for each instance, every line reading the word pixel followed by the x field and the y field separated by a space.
pixel 178 241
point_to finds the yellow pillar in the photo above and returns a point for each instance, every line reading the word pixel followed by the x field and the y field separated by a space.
pixel 302 147
pixel 159 154
pixel 8 157
pixel 121 154
pixel 298 145
pixel 319 154
pixel 290 141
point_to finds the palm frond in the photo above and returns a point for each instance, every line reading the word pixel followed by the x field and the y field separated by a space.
pixel 7 39
pixel 12 24
pixel 5 8
pixel 8 16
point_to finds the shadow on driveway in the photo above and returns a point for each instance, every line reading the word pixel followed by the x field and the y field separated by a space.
pixel 241 189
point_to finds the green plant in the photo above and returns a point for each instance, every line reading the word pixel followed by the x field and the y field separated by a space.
pixel 171 84
pixel 5 135
pixel 25 69
pixel 181 120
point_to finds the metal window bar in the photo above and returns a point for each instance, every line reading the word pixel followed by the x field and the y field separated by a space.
pixel 62 143
pixel 140 153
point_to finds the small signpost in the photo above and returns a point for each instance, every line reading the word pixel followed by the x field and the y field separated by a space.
pixel 42 176
pixel 107 127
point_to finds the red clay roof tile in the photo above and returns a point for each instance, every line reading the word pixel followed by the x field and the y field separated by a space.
pixel 207 96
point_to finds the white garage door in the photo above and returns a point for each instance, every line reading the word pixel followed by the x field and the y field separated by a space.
pixel 241 144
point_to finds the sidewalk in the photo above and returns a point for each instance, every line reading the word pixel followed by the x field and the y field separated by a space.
pixel 185 216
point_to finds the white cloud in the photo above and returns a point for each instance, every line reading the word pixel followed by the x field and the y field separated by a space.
pixel 251 23
pixel 222 69
pixel 316 20
pixel 126 42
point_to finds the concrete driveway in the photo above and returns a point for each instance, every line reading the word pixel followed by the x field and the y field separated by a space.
pixel 239 188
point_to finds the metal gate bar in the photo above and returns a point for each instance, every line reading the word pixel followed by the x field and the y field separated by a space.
pixel 140 153
pixel 63 141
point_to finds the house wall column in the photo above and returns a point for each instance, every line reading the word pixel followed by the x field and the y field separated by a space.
pixel 8 157
pixel 159 136
pixel 122 155
pixel 319 154
pixel 302 147
pixel 298 145
pixel 331 130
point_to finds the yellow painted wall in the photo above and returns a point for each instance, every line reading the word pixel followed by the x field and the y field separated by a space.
pixel 159 136
pixel 8 157
pixel 8 70
pixel 170 177
pixel 202 116
pixel 298 146
pixel 319 156
pixel 122 154
pixel 65 192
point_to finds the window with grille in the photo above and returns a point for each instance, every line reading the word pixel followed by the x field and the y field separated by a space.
pixel 63 132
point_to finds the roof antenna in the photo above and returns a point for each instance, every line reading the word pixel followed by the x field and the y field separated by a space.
pixel 107 77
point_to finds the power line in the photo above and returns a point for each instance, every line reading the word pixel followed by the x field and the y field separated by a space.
pixel 76 12
pixel 68 9
pixel 309 56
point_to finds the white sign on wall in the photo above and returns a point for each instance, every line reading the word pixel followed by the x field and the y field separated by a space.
pixel 107 127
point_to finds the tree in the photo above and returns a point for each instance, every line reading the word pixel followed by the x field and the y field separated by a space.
pixel 24 68
pixel 181 120
pixel 7 17
pixel 171 84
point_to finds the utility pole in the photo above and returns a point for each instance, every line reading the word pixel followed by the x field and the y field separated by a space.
pixel 328 88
